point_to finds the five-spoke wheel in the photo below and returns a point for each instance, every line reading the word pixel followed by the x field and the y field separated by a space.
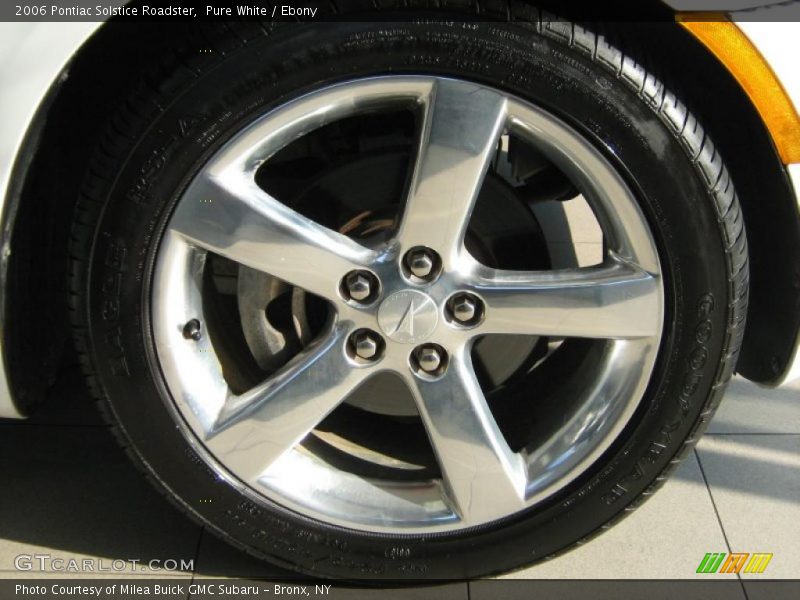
pixel 412 304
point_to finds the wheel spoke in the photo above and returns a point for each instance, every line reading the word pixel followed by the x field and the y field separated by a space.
pixel 238 220
pixel 257 427
pixel 482 476
pixel 461 127
pixel 612 301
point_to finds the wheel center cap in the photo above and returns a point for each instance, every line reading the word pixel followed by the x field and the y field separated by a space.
pixel 408 316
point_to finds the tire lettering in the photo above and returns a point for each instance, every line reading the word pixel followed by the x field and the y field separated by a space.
pixel 697 361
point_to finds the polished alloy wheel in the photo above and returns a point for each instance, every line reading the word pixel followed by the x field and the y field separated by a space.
pixel 427 299
pixel 413 304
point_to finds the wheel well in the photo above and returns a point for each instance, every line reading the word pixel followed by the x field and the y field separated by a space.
pixel 107 68
pixel 68 127
pixel 765 191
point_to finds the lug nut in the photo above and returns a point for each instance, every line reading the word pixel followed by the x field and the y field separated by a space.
pixel 465 309
pixel 422 263
pixel 360 285
pixel 192 330
pixel 366 344
pixel 430 359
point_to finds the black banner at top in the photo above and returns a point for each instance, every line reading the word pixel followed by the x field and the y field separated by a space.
pixel 393 10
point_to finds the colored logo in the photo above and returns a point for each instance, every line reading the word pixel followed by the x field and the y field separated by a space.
pixel 715 562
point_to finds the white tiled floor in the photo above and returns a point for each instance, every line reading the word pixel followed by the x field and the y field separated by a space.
pixel 746 498
pixel 754 481
pixel 70 492
pixel 637 546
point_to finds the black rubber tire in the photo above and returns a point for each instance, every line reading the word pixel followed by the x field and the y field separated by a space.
pixel 199 99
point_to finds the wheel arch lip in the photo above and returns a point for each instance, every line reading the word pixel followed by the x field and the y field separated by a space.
pixel 39 52
pixel 42 52
pixel 792 370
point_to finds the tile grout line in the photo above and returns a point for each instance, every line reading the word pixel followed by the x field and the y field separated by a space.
pixel 196 558
pixel 716 512
pixel 748 433
pixel 27 424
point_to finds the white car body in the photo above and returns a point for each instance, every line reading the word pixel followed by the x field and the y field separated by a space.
pixel 33 56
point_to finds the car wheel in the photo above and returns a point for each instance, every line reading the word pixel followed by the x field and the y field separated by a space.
pixel 423 300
